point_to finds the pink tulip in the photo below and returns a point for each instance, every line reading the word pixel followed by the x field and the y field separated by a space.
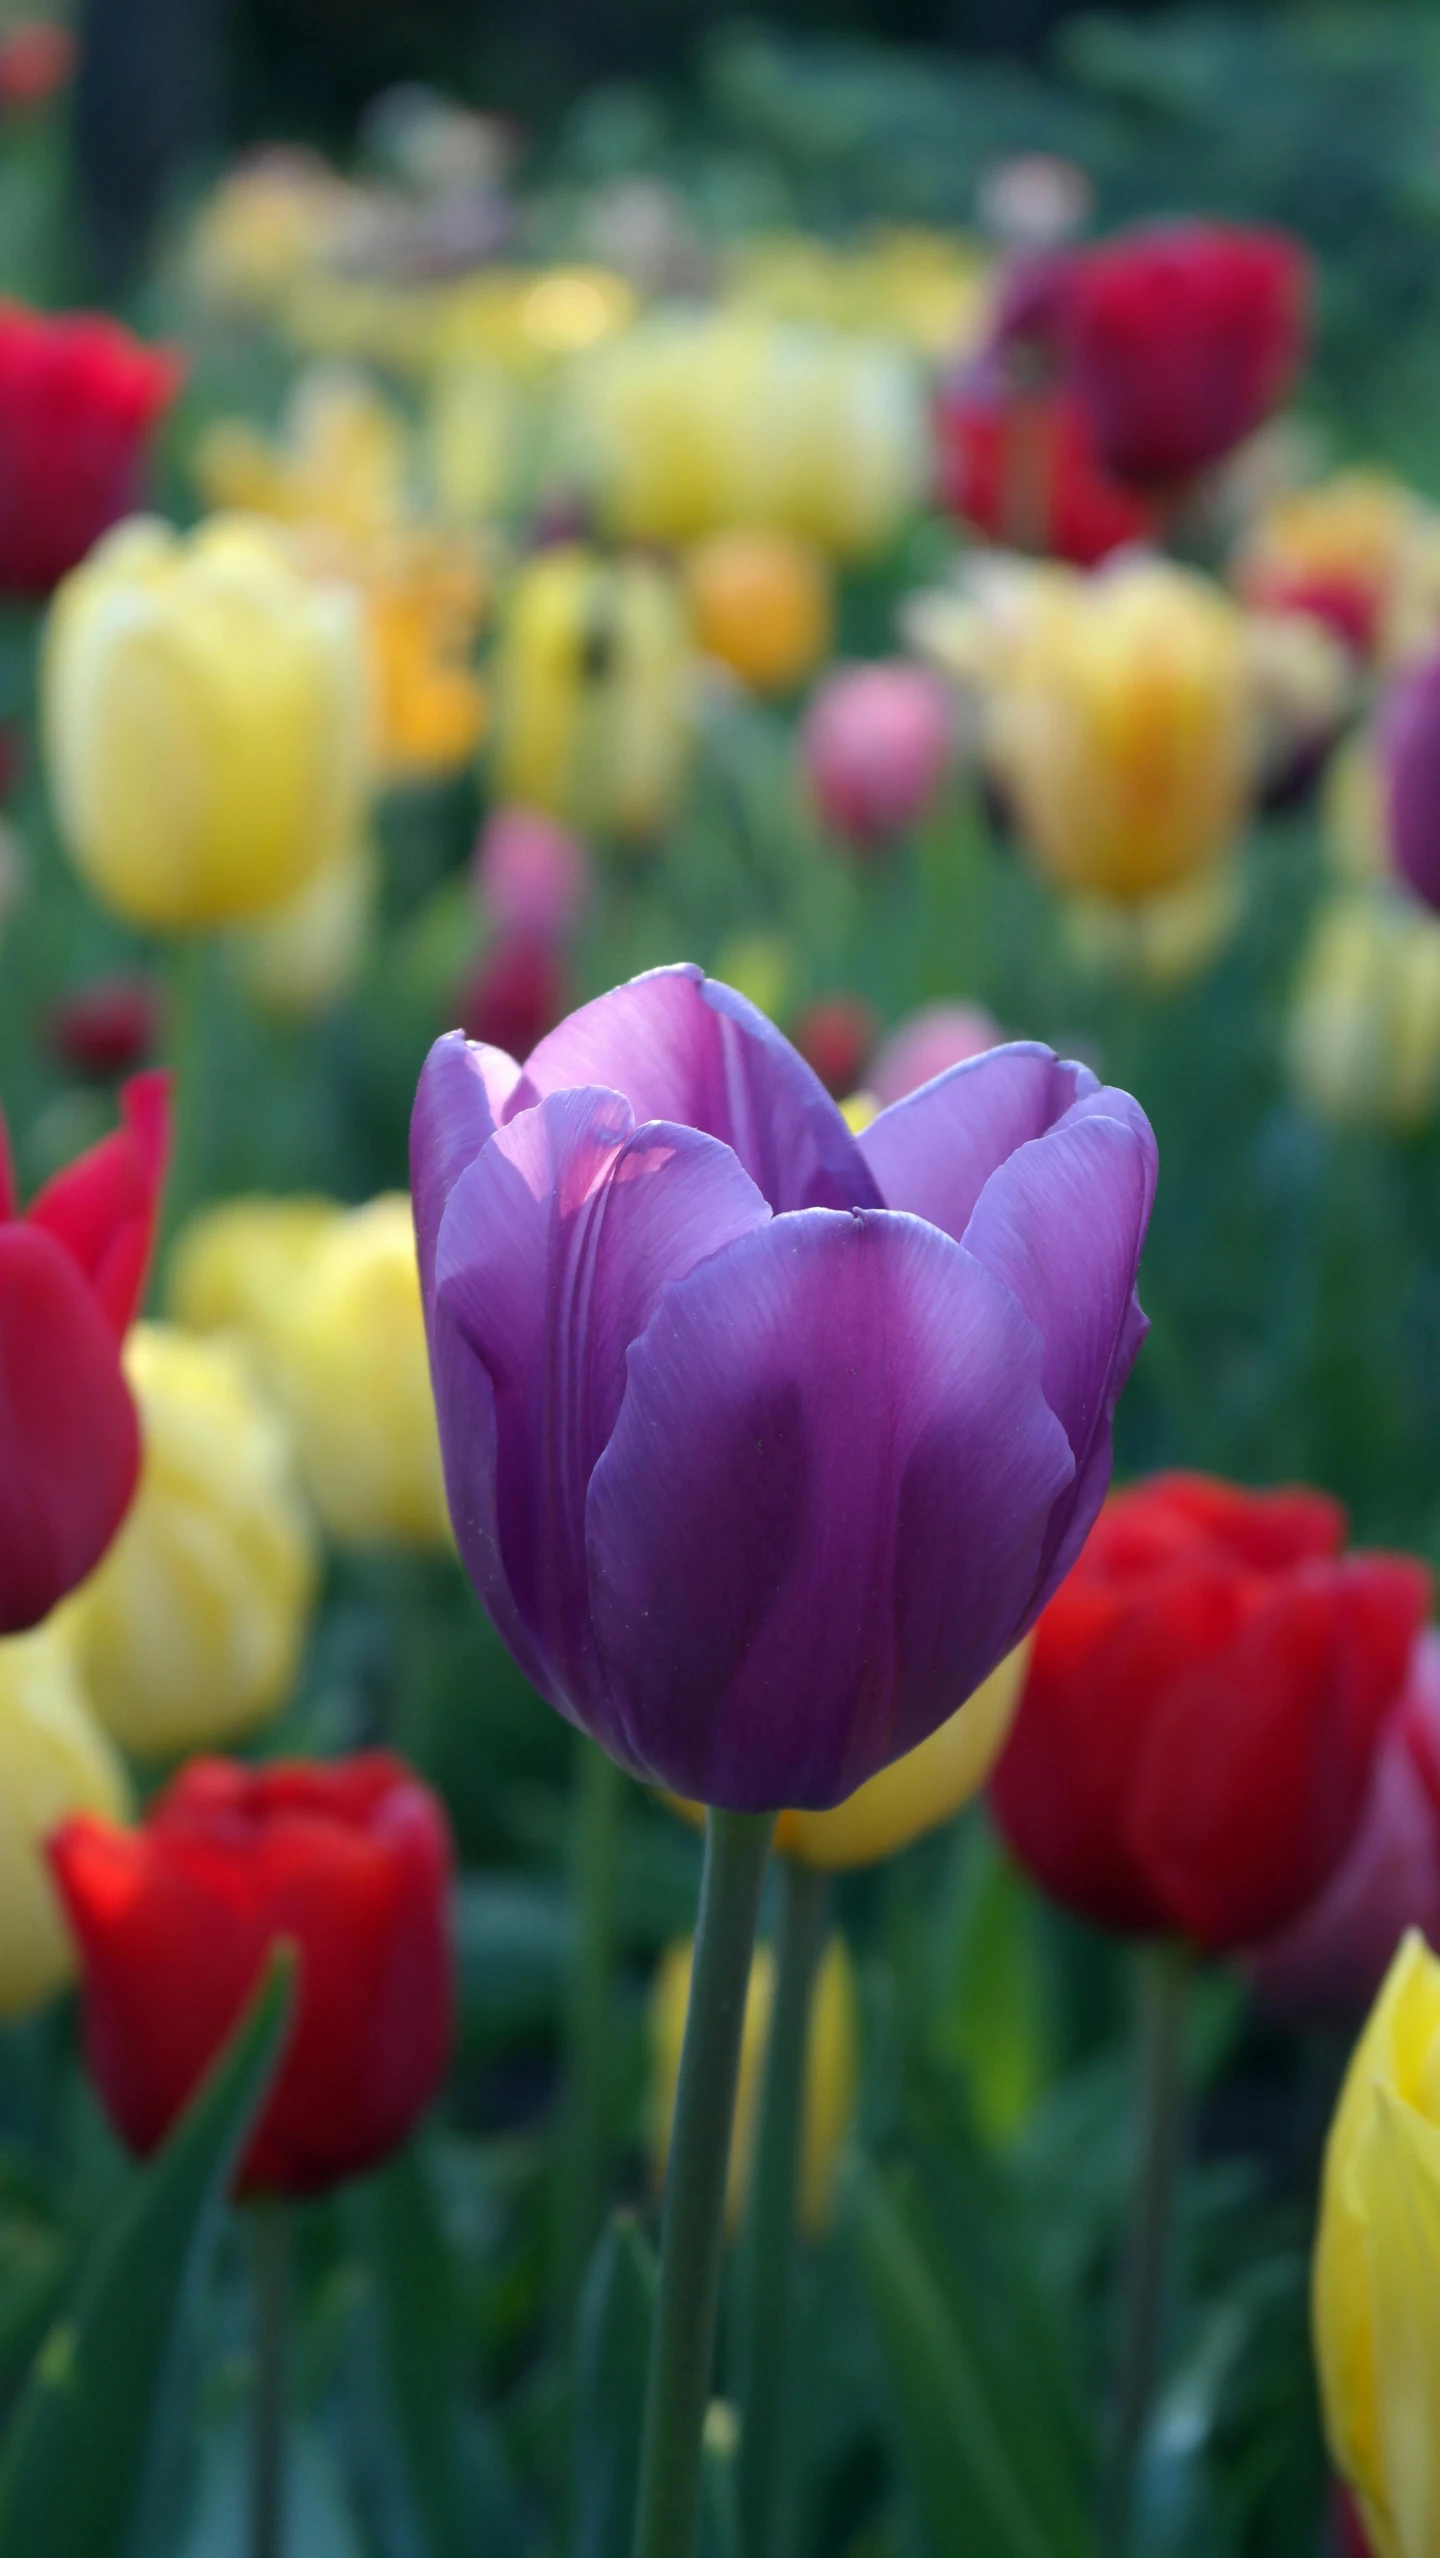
pixel 532 875
pixel 875 745
pixel 926 1043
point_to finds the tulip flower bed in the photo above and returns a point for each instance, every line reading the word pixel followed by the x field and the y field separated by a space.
pixel 719 1401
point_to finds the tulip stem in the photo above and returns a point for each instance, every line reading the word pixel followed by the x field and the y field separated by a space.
pixel 1160 2043
pixel 770 2228
pixel 193 994
pixel 583 2148
pixel 692 2228
pixel 270 2254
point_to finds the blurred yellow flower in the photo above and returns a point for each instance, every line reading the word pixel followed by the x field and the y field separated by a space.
pixel 350 1368
pixel 1377 2265
pixel 760 604
pixel 1357 846
pixel 206 721
pixel 475 439
pixel 308 956
pixel 1119 728
pixel 426 597
pixel 760 965
pixel 273 220
pixel 1158 941
pixel 694 422
pixel 831 2069
pixel 234 1268
pixel 1362 1044
pixel 1337 549
pixel 54 1760
pixel 190 1632
pixel 593 691
pixel 339 458
pixel 922 287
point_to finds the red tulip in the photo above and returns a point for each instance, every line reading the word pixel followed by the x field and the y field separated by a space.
pixel 1331 1960
pixel 517 992
pixel 79 396
pixel 72 1271
pixel 1183 337
pixel 350 1863
pixel 1204 1703
pixel 1020 466
pixel 836 1037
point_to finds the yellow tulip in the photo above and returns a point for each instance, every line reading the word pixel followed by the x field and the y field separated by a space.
pixel 929 1784
pixel 235 1268
pixel 350 1369
pixel 1119 730
pixel 1377 2265
pixel 694 422
pixel 831 2067
pixel 1362 1044
pixel 760 602
pixel 308 957
pixel 593 688
pixel 191 1630
pixel 925 289
pixel 426 598
pixel 205 718
pixel 54 1760
pixel 1343 542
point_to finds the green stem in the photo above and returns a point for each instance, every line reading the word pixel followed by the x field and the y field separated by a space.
pixel 770 2226
pixel 190 1046
pixel 270 2406
pixel 1160 2036
pixel 583 2150
pixel 692 2229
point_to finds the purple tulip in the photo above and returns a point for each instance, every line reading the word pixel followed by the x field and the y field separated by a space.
pixel 1410 772
pixel 764 1443
pixel 1331 1960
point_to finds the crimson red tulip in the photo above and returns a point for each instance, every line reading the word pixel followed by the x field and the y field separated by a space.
pixel 72 1272
pixel 1021 467
pixel 1205 1699
pixel 1183 337
pixel 516 993
pixel 79 398
pixel 105 1027
pixel 351 1864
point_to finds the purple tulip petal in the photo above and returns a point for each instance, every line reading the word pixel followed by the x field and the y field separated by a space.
pixel 934 1152
pixel 553 1250
pixel 465 1402
pixel 460 1103
pixel 683 1048
pixel 821 1514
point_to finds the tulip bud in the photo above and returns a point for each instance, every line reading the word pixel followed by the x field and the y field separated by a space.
pixel 1377 2264
pixel 831 2066
pixel 1410 774
pixel 875 745
pixel 79 400
pixel 760 603
pixel 1119 727
pixel 517 991
pixel 1362 1045
pixel 191 1630
pixel 350 1369
pixel 205 716
pixel 532 876
pixel 927 1043
pixel 835 1038
pixel 106 1027
pixel 54 1760
pixel 593 685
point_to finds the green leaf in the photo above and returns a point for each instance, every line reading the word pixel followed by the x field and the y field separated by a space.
pixel 76 2457
pixel 460 2495
pixel 612 2354
pixel 974 2495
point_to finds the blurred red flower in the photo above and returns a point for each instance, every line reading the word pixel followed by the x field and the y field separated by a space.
pixel 1182 338
pixel 351 1864
pixel 105 1027
pixel 1020 466
pixel 79 396
pixel 37 60
pixel 836 1037
pixel 72 1272
pixel 1205 1698
pixel 516 992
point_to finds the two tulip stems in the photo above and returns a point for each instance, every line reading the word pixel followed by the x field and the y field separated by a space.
pixel 769 2246
pixel 692 2227
pixel 270 2403
pixel 1163 2009
pixel 583 2148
